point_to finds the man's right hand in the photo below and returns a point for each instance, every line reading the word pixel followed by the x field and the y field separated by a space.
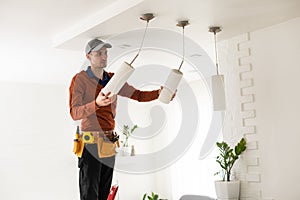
pixel 104 100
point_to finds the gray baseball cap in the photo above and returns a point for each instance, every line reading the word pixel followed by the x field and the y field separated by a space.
pixel 95 45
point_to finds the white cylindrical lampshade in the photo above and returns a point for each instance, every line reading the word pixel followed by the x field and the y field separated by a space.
pixel 119 79
pixel 171 85
pixel 218 92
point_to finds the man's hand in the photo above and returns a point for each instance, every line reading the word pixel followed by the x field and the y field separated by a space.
pixel 104 100
pixel 161 88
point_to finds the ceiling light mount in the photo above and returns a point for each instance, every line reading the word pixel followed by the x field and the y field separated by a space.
pixel 183 23
pixel 147 17
pixel 214 29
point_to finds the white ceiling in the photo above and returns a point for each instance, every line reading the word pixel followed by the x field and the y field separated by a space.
pixel 235 16
pixel 38 38
pixel 47 16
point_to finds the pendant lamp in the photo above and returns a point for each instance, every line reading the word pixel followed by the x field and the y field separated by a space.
pixel 124 72
pixel 217 81
pixel 175 75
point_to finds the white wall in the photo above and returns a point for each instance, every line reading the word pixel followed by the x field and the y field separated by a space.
pixel 36 160
pixel 134 186
pixel 189 174
pixel 261 76
pixel 276 70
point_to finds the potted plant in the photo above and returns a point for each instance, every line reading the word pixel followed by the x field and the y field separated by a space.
pixel 152 197
pixel 127 131
pixel 227 188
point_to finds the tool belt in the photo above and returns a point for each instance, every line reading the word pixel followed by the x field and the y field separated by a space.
pixel 91 137
pixel 105 140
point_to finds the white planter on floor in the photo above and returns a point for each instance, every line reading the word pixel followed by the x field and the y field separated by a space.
pixel 227 190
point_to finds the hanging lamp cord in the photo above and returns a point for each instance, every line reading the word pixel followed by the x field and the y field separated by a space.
pixel 142 43
pixel 216 53
pixel 183 51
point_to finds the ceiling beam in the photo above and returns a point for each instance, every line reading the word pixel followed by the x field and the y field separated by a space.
pixel 103 15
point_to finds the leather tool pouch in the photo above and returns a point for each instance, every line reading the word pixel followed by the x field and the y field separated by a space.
pixel 106 148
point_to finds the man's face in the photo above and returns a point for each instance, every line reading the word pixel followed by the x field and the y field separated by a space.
pixel 98 58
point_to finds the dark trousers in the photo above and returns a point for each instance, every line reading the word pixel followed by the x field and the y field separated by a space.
pixel 95 175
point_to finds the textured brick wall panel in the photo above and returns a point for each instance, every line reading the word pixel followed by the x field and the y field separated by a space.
pixel 240 114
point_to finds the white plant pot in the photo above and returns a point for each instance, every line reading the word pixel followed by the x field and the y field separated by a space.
pixel 227 190
pixel 125 151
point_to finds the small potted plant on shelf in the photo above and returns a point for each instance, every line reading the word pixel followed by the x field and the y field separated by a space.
pixel 152 197
pixel 227 188
pixel 127 131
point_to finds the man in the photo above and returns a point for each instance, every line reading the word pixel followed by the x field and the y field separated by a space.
pixel 97 112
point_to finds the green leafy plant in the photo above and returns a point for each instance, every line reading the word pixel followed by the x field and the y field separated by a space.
pixel 152 197
pixel 127 132
pixel 228 156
